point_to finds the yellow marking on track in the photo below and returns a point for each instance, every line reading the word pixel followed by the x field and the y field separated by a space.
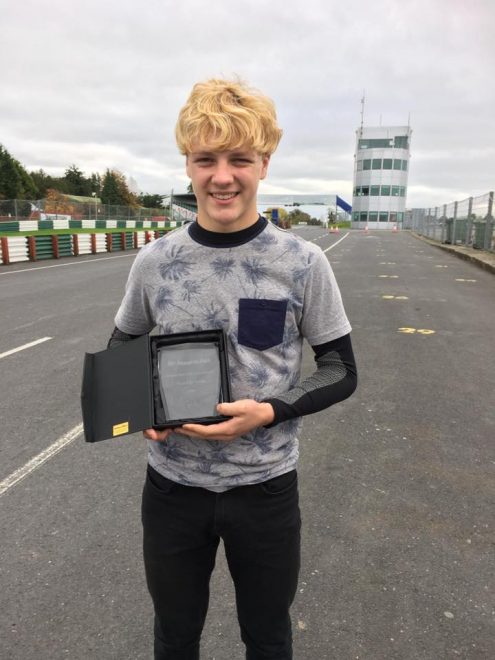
pixel 413 331
pixel 440 266
pixel 461 279
pixel 389 297
pixel 392 277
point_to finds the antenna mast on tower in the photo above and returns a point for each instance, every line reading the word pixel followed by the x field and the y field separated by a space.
pixel 362 114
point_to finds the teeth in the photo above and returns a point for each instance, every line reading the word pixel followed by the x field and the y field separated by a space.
pixel 226 196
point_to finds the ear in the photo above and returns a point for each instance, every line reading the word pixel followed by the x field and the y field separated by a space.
pixel 265 160
pixel 187 167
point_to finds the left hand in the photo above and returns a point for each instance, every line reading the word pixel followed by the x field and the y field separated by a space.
pixel 246 414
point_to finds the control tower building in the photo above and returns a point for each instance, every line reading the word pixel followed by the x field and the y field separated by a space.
pixel 381 166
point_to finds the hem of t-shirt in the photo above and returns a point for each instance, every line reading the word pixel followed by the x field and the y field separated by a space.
pixel 225 488
pixel 329 336
pixel 226 239
pixel 123 327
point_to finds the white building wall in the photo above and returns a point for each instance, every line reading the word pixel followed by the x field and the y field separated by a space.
pixel 380 176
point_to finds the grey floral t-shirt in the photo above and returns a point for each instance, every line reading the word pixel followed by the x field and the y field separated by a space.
pixel 268 294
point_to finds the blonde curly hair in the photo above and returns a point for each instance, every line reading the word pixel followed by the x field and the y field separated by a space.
pixel 227 115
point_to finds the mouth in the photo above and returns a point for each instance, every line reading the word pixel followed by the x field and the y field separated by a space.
pixel 224 196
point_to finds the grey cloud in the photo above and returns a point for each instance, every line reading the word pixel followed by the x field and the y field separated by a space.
pixel 115 74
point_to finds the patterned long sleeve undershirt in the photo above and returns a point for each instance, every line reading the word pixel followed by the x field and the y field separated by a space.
pixel 334 380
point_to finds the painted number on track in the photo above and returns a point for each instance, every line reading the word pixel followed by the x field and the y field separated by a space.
pixel 414 331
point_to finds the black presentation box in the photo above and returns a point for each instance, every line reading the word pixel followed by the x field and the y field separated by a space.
pixel 158 381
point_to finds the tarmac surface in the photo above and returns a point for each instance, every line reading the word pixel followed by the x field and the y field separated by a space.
pixel 397 483
pixel 482 258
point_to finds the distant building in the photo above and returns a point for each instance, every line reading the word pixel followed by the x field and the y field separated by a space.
pixel 380 176
pixel 315 204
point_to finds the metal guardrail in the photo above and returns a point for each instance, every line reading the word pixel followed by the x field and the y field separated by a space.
pixel 469 222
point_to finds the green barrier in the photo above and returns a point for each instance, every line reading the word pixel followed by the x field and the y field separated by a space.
pixel 75 224
pixel 45 224
pixel 129 241
pixel 116 242
pixel 64 245
pixel 101 224
pixel 44 247
pixel 139 224
pixel 121 224
pixel 9 226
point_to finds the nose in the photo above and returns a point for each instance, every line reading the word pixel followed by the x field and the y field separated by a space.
pixel 222 175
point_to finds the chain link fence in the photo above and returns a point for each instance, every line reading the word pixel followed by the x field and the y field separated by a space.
pixel 469 222
pixel 47 209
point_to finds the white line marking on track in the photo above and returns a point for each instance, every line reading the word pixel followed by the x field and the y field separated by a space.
pixel 340 239
pixel 72 263
pixel 24 346
pixel 41 458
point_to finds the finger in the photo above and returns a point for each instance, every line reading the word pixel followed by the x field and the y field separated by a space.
pixel 210 431
pixel 157 436
pixel 230 409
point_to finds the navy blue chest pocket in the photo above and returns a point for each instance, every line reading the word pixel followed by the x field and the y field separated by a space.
pixel 261 322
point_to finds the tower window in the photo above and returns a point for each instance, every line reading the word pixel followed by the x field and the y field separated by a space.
pixel 376 143
pixel 401 142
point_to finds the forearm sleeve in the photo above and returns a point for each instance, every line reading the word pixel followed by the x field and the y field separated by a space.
pixel 334 380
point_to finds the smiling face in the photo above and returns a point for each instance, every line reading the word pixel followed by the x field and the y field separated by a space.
pixel 225 184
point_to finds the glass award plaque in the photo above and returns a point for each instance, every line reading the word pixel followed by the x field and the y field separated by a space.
pixel 190 379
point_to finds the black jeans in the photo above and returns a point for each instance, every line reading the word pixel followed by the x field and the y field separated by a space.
pixel 260 528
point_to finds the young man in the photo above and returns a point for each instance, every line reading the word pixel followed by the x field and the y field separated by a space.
pixel 268 289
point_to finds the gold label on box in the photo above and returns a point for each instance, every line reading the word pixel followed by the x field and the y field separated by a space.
pixel 120 429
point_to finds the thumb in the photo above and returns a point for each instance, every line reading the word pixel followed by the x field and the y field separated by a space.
pixel 225 408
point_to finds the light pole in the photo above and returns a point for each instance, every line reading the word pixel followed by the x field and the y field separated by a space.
pixel 93 194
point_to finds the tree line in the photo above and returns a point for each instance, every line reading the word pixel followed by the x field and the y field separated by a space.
pixel 111 187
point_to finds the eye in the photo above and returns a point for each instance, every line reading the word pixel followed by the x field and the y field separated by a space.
pixel 203 160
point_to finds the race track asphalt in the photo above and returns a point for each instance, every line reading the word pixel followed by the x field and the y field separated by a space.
pixel 397 483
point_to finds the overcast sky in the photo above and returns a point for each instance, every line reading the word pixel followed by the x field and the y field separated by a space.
pixel 99 84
